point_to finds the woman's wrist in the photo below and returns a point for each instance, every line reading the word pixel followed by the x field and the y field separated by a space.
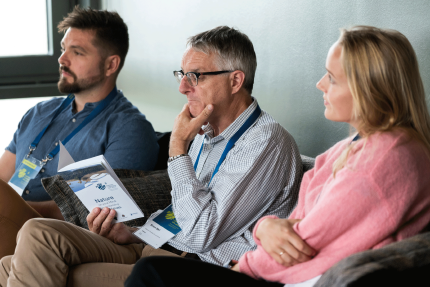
pixel 261 227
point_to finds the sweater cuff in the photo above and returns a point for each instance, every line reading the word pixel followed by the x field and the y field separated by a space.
pixel 254 232
pixel 244 266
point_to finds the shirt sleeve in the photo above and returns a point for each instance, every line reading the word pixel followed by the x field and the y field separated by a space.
pixel 12 145
pixel 133 146
pixel 240 194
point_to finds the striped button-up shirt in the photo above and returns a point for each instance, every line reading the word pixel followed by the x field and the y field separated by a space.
pixel 260 176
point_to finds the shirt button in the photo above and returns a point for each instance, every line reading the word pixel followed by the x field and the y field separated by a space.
pixel 73 120
pixel 42 170
pixel 56 144
pixel 27 192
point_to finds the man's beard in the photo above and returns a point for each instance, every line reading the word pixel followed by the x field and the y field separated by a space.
pixel 79 85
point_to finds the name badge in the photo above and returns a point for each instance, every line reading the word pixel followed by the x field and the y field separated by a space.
pixel 26 171
pixel 160 229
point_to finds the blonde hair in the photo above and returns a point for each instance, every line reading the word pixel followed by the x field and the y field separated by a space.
pixel 384 79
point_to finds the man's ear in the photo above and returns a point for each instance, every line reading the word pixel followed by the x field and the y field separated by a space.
pixel 112 65
pixel 237 78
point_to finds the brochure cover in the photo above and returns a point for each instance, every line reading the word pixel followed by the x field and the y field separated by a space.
pixel 96 185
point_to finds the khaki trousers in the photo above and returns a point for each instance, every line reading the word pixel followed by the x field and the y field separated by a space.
pixel 14 212
pixel 48 248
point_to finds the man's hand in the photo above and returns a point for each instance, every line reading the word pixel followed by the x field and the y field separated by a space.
pixel 100 222
pixel 279 239
pixel 186 128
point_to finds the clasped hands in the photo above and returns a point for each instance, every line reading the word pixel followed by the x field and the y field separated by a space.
pixel 282 243
pixel 279 239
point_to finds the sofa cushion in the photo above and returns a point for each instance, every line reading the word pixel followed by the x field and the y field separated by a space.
pixel 307 162
pixel 150 190
pixel 404 263
pixel 163 140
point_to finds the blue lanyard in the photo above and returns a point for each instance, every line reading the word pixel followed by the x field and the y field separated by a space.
pixel 64 104
pixel 248 123
pixel 100 107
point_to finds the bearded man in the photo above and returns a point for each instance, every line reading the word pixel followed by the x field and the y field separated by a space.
pixel 95 118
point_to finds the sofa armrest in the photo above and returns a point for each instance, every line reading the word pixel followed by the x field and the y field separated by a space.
pixel 404 263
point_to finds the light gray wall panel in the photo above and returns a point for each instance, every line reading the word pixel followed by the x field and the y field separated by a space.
pixel 291 39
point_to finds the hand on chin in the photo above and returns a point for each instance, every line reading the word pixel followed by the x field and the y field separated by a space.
pixel 186 126
pixel 195 109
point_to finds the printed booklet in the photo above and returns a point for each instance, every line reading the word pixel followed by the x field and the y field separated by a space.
pixel 96 185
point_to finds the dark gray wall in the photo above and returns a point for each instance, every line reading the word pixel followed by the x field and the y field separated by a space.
pixel 291 39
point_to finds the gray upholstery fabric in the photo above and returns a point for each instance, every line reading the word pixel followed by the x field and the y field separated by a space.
pixel 150 190
pixel 308 163
pixel 404 263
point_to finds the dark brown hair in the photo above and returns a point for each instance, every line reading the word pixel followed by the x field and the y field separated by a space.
pixel 111 33
pixel 235 51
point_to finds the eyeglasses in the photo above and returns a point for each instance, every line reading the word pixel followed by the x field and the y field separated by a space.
pixel 193 78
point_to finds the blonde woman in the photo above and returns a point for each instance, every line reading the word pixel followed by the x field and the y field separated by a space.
pixel 365 192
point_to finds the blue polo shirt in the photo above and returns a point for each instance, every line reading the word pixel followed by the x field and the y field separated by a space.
pixel 120 132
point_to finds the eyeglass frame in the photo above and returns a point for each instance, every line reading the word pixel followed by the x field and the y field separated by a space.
pixel 198 75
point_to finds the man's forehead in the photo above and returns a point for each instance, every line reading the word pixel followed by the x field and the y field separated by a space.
pixel 75 36
pixel 194 60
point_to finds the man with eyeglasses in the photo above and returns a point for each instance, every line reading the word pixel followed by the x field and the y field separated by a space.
pixel 241 166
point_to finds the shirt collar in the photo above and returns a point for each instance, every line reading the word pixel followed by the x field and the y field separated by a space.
pixel 233 127
pixel 88 107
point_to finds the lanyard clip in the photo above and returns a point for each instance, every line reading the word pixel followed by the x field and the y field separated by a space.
pixel 31 150
pixel 47 158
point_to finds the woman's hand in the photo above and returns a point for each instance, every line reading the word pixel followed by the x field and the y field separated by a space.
pixel 279 239
pixel 235 267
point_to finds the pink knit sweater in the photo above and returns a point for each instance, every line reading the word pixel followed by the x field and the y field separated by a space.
pixel 383 198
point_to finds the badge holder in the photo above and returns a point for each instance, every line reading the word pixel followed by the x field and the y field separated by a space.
pixel 26 171
pixel 159 229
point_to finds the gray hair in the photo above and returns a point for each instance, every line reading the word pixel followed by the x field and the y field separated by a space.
pixel 234 49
